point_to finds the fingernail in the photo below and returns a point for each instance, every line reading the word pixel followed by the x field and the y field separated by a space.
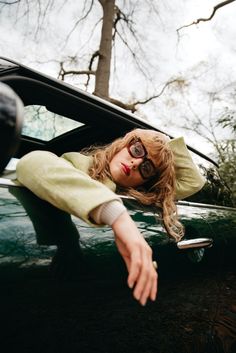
pixel 131 284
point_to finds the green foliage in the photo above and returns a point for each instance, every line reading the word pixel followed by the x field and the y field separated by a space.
pixel 220 187
pixel 215 191
pixel 227 167
pixel 227 155
pixel 228 120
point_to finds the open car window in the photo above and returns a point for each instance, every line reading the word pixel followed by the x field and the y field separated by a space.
pixel 44 125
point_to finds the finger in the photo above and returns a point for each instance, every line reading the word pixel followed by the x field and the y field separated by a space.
pixel 144 277
pixel 150 289
pixel 146 292
pixel 134 268
pixel 154 288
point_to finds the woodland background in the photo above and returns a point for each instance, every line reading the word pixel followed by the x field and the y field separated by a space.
pixel 171 62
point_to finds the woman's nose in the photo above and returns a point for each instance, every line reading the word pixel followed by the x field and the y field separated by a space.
pixel 135 162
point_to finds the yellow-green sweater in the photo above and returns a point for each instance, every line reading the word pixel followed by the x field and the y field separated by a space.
pixel 65 183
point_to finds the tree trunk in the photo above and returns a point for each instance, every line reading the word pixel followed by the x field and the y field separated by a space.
pixel 105 48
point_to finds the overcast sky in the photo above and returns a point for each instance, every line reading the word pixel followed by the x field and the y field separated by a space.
pixel 204 54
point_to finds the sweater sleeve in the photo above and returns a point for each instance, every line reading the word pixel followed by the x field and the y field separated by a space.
pixel 57 181
pixel 108 212
pixel 188 177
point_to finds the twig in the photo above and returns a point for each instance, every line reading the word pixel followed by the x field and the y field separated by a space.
pixel 217 7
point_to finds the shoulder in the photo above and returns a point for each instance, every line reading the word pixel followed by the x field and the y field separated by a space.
pixel 83 163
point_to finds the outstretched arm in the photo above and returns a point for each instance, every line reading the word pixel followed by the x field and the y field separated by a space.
pixel 137 255
pixel 136 252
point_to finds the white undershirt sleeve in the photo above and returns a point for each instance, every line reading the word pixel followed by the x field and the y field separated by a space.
pixel 108 212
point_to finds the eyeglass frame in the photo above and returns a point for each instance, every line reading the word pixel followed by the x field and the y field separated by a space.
pixel 134 140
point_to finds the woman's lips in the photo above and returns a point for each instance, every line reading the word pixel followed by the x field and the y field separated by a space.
pixel 126 169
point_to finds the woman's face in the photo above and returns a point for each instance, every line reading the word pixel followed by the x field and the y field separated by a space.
pixel 124 169
pixel 130 167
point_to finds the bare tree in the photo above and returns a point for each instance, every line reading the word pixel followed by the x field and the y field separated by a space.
pixel 105 47
pixel 116 25
pixel 112 17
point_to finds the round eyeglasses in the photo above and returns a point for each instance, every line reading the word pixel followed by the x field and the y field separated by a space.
pixel 137 150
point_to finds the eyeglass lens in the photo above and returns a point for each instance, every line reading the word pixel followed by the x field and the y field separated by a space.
pixel 146 168
pixel 137 150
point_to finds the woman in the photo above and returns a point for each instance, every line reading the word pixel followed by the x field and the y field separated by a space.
pixel 144 164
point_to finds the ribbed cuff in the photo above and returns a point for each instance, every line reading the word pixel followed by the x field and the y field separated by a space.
pixel 108 212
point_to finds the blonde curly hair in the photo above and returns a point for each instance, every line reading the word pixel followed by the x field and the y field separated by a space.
pixel 160 189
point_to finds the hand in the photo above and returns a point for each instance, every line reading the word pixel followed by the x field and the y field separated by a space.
pixel 137 255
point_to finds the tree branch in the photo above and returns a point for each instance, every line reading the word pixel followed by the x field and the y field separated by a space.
pixel 217 7
pixel 78 21
pixel 133 53
pixel 62 73
pixel 96 54
pixel 158 94
pixel 126 106
pixel 9 3
pixel 132 106
pixel 125 21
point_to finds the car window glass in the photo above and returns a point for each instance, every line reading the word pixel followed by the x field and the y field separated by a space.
pixel 42 124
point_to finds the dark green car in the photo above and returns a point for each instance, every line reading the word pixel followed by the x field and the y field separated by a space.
pixel 61 294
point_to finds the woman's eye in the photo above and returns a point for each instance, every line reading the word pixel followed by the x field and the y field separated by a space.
pixel 146 167
pixel 138 150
